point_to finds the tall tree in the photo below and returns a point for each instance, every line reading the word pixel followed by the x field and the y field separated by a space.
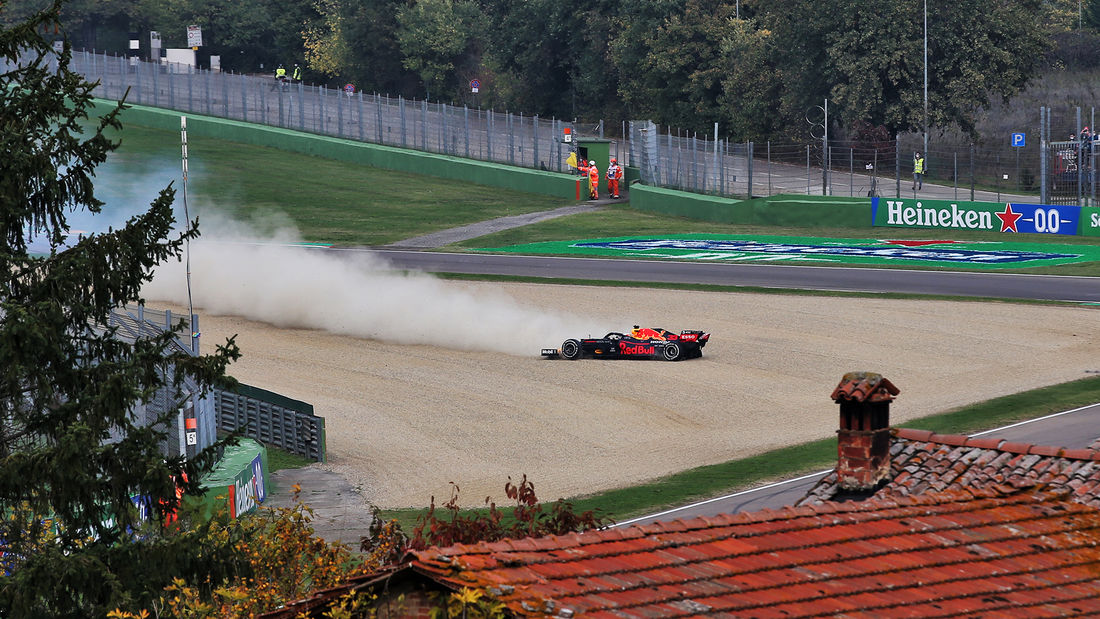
pixel 72 457
pixel 679 78
pixel 437 37
pixel 867 56
pixel 356 40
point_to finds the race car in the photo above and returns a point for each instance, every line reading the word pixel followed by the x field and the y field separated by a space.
pixel 640 343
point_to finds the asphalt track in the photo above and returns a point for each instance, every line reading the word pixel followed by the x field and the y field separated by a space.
pixel 841 279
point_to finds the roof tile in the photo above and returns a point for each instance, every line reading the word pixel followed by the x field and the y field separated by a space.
pixel 864 387
pixel 997 550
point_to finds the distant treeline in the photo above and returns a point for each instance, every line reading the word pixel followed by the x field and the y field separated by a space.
pixel 755 67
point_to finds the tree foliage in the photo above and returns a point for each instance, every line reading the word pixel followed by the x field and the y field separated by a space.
pixel 72 456
pixel 436 39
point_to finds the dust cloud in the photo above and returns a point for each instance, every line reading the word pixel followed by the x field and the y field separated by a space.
pixel 273 280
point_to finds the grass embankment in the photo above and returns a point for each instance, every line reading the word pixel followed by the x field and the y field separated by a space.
pixel 328 201
pixel 718 479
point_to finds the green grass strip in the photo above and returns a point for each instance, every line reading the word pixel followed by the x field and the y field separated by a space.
pixel 718 479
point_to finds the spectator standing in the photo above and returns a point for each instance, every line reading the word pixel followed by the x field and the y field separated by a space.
pixel 614 174
pixel 297 75
pixel 280 73
pixel 918 171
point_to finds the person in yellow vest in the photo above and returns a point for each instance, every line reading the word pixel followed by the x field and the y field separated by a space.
pixel 593 181
pixel 918 171
pixel 614 174
pixel 297 75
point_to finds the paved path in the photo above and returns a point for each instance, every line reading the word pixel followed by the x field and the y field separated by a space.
pixel 339 512
pixel 481 228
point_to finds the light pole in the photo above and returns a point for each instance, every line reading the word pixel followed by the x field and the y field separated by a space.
pixel 925 151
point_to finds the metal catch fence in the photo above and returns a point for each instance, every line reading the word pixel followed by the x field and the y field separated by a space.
pixel 667 157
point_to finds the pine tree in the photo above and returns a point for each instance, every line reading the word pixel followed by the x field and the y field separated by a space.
pixel 71 455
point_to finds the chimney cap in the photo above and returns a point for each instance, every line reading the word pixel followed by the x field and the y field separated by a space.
pixel 864 387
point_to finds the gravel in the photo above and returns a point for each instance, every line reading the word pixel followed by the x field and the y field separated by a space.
pixel 405 421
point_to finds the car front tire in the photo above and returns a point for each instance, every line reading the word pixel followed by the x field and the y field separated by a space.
pixel 571 349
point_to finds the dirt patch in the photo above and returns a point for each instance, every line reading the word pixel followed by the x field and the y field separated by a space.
pixel 403 421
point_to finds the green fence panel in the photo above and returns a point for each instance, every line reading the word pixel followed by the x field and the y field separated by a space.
pixel 780 210
pixel 1090 221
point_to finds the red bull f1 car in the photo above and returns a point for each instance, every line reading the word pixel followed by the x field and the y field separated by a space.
pixel 640 343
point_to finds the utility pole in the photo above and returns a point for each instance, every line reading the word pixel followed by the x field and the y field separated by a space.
pixel 925 151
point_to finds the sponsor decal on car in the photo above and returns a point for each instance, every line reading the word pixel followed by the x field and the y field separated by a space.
pixel 636 349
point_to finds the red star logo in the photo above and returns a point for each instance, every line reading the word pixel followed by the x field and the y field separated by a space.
pixel 1008 218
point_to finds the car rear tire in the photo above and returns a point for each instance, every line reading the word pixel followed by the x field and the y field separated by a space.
pixel 571 349
pixel 671 351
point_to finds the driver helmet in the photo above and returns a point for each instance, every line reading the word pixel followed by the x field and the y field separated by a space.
pixel 613 160
pixel 636 331
pixel 593 162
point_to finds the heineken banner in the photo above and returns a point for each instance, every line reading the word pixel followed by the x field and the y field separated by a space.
pixel 1008 217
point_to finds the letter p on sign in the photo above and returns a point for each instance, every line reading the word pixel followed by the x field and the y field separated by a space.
pixel 1018 140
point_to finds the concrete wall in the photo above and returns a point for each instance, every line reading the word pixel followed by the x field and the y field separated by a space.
pixel 352 151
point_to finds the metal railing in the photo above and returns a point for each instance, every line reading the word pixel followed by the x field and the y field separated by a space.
pixel 272 419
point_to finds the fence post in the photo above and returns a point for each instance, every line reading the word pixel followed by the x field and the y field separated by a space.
pixel 807 169
pixel 466 120
pixel 535 133
pixel 769 168
pixel 749 161
pixel 851 171
pixel 956 174
pixel 401 109
pixel 971 171
pixel 489 135
pixel 897 166
pixel 1043 115
pixel 378 113
pixel 424 125
pixel 282 115
pixel 511 138
pixel 171 88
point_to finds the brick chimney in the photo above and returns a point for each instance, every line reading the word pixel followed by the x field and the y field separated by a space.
pixel 863 440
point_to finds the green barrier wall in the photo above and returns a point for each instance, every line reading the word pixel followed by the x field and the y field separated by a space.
pixel 556 184
pixel 780 210
pixel 241 478
pixel 1090 221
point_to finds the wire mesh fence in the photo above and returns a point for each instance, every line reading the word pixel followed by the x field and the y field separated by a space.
pixel 666 156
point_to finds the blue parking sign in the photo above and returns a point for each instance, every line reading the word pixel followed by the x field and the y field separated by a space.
pixel 1018 140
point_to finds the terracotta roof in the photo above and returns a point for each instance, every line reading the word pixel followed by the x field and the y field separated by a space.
pixel 921 461
pixel 1000 550
pixel 864 387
